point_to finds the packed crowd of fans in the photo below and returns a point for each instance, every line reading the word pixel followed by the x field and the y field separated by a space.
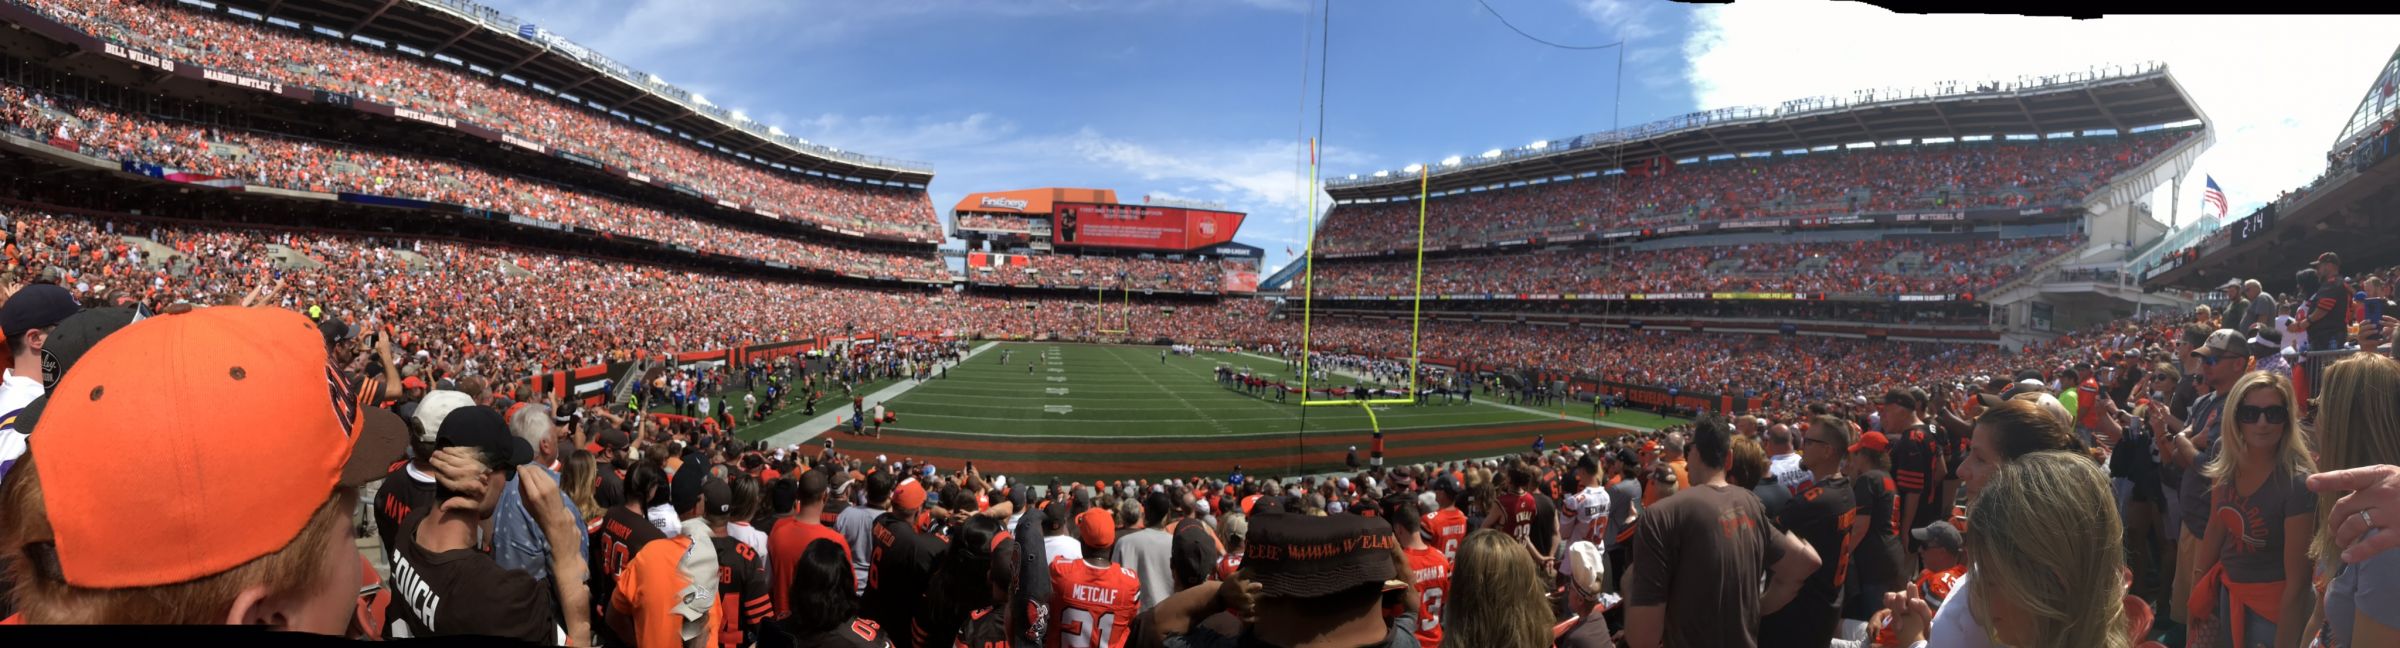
pixel 1784 369
pixel 456 309
pixel 1950 176
pixel 998 223
pixel 2065 501
pixel 1113 273
pixel 299 58
pixel 1887 266
pixel 289 163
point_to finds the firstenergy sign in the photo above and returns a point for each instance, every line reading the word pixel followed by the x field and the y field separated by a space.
pixel 1012 204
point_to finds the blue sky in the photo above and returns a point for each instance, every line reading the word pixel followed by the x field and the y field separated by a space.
pixel 1204 99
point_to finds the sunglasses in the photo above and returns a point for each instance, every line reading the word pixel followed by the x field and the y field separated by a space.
pixel 2274 415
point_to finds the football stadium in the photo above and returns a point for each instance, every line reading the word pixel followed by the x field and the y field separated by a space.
pixel 433 320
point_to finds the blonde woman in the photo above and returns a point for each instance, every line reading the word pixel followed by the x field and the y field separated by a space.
pixel 1496 595
pixel 2048 557
pixel 2358 424
pixel 580 479
pixel 2252 569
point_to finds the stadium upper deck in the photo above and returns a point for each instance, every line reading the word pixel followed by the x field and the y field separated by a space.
pixel 505 44
pixel 2124 100
pixel 662 142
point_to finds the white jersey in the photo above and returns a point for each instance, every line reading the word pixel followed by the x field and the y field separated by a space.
pixel 1587 516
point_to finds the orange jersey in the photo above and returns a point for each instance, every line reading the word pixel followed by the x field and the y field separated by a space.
pixel 1095 605
pixel 1449 528
pixel 1432 570
pixel 648 591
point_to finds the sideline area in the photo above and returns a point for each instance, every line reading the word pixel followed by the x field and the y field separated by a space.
pixel 808 430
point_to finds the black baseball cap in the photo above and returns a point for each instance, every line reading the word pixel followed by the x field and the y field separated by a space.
pixel 716 497
pixel 334 330
pixel 75 335
pixel 611 439
pixel 1302 557
pixel 686 487
pixel 36 306
pixel 483 428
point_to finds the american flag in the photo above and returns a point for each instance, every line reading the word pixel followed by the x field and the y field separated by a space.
pixel 2214 196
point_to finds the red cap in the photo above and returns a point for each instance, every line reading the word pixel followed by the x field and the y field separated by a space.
pixel 1872 441
pixel 909 496
pixel 221 429
pixel 1098 527
pixel 412 382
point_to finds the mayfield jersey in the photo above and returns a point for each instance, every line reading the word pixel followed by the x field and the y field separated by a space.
pixel 1449 528
pixel 1432 570
pixel 1587 512
pixel 1095 605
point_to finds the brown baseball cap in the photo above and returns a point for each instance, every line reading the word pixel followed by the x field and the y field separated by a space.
pixel 1301 556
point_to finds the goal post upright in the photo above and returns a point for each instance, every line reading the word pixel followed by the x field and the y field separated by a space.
pixel 1416 303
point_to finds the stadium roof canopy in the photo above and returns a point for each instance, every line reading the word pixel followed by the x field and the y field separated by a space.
pixel 2123 100
pixel 486 38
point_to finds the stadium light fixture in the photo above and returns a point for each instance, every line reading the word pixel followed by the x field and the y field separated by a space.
pixel 702 100
pixel 1450 161
pixel 1539 145
pixel 1383 174
pixel 1413 168
pixel 740 116
pixel 777 131
pixel 1491 154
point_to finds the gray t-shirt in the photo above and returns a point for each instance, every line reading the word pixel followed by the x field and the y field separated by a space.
pixel 1146 553
pixel 1626 495
pixel 2255 555
pixel 857 525
pixel 2261 307
pixel 2371 588
pixel 2195 488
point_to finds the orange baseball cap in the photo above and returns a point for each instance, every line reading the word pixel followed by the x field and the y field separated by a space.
pixel 1098 527
pixel 909 496
pixel 222 429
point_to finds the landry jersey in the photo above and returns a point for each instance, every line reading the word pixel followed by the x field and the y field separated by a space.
pixel 621 536
pixel 742 600
pixel 1095 605
pixel 1432 570
pixel 1449 528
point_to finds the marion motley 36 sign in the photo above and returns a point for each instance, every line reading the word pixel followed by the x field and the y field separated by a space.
pixel 1147 227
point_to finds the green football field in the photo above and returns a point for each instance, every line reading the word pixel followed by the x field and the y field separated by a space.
pixel 1110 412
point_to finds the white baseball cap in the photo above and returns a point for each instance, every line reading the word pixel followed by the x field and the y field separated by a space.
pixel 435 407
pixel 1587 566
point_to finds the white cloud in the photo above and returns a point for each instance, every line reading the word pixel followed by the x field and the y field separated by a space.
pixel 1642 26
pixel 2277 89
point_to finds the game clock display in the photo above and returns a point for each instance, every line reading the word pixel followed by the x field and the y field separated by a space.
pixel 2251 227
